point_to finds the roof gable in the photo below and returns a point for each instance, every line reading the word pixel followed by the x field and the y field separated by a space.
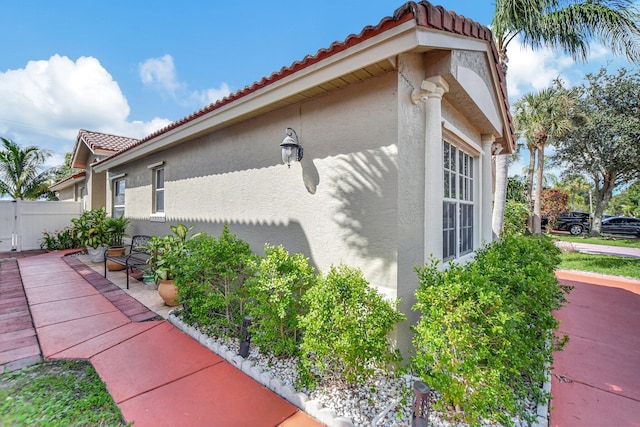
pixel 423 13
pixel 99 144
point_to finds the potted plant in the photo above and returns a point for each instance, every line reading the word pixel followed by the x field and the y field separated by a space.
pixel 90 229
pixel 166 254
pixel 116 228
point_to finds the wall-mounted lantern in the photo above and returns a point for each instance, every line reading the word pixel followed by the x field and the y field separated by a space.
pixel 291 148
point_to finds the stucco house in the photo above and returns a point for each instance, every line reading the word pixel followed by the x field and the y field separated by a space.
pixel 398 124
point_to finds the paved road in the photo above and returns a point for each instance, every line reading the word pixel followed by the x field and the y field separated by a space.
pixel 600 249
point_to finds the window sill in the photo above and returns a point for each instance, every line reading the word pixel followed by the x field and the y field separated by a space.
pixel 157 217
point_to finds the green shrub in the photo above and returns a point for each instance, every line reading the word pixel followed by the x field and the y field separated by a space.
pixel 90 228
pixel 210 282
pixel 59 240
pixel 276 299
pixel 346 328
pixel 485 338
pixel 168 252
pixel 515 219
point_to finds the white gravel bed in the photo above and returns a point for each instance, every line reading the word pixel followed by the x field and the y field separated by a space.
pixel 384 401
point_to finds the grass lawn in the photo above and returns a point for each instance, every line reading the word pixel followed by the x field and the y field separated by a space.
pixel 61 393
pixel 605 264
pixel 625 242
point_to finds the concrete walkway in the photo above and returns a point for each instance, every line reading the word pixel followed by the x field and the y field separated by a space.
pixel 596 379
pixel 156 374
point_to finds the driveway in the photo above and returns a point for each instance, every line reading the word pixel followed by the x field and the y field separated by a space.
pixel 599 249
pixel 596 378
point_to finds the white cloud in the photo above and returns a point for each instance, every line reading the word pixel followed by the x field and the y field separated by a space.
pixel 48 101
pixel 138 129
pixel 161 75
pixel 209 96
pixel 56 97
pixel 533 70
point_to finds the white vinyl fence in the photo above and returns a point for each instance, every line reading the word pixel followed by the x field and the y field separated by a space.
pixel 23 222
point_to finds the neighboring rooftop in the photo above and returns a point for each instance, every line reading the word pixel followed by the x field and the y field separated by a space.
pixel 100 144
pixel 68 181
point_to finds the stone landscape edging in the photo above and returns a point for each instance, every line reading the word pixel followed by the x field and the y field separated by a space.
pixel 312 407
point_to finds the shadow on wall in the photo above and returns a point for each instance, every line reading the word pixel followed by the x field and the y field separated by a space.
pixel 310 175
pixel 288 234
pixel 367 196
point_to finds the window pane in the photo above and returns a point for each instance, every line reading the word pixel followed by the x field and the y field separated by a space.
pixel 118 192
pixel 447 164
pixel 159 178
pixel 454 193
pixel 117 207
pixel 448 230
pixel 466 228
pixel 457 221
pixel 453 158
pixel 159 201
pixel 447 187
pixel 118 212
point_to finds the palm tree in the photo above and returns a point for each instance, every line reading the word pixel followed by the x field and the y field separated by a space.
pixel 20 171
pixel 540 117
pixel 575 184
pixel 567 25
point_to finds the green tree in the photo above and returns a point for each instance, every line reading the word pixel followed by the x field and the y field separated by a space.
pixel 607 147
pixel 578 189
pixel 61 172
pixel 21 174
pixel 566 25
pixel 627 202
pixel 540 118
pixel 516 190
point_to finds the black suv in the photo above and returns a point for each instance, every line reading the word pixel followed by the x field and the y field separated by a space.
pixel 574 222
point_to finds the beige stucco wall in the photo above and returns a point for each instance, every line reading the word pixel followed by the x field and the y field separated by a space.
pixel 95 197
pixel 338 205
pixel 67 194
pixel 364 193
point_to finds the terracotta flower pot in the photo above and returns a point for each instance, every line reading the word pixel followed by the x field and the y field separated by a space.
pixel 168 292
pixel 114 266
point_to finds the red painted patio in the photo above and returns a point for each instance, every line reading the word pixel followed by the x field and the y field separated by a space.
pixel 596 379
pixel 156 374
pixel 160 376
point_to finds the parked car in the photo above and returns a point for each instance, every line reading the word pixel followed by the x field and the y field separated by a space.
pixel 574 222
pixel 621 225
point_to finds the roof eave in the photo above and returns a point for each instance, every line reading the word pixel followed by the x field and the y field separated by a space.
pixel 68 182
pixel 415 27
pixel 388 44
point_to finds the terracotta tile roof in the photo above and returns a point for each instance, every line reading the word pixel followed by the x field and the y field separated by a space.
pixel 425 15
pixel 438 18
pixel 104 141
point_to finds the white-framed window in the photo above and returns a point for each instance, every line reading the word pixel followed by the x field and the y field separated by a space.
pixel 458 204
pixel 118 198
pixel 158 190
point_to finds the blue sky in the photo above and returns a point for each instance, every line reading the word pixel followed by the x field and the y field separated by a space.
pixel 131 67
